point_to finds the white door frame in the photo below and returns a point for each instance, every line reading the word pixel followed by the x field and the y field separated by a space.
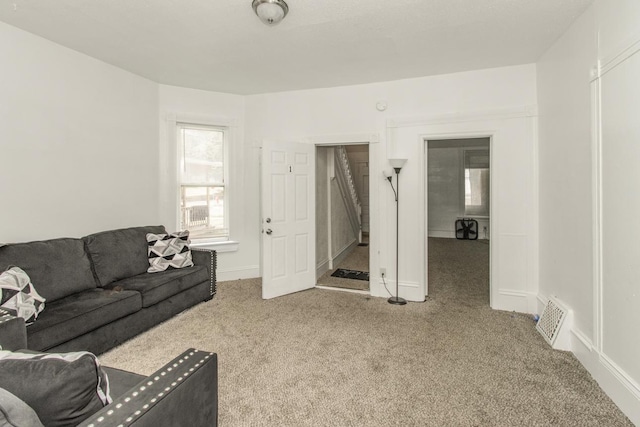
pixel 425 167
pixel 372 140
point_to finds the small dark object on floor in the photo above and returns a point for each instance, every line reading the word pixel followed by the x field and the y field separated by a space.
pixel 466 229
pixel 363 244
pixel 351 274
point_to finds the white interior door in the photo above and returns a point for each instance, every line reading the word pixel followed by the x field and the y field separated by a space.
pixel 288 218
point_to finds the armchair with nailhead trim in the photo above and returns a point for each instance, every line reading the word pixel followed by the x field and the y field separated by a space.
pixel 184 392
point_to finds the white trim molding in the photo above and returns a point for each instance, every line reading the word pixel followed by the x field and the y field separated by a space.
pixel 346 139
pixel 466 116
pixel 516 300
pixel 248 272
pixel 615 382
pixel 625 51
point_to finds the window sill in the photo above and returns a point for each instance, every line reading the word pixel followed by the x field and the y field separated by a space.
pixel 226 246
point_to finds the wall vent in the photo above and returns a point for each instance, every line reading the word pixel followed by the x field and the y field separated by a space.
pixel 555 323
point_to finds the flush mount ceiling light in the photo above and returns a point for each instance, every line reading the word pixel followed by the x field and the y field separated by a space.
pixel 270 11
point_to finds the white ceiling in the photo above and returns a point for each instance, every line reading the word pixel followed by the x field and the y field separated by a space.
pixel 220 45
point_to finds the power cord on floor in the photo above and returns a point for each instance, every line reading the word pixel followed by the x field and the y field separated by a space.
pixel 385 285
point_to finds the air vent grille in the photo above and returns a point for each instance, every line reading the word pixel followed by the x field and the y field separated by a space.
pixel 551 320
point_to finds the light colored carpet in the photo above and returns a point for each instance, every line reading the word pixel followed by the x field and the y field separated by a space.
pixel 358 260
pixel 326 358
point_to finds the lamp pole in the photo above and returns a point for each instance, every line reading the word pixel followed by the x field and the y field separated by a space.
pixel 397 167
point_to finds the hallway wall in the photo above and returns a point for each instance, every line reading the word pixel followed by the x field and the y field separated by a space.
pixel 334 232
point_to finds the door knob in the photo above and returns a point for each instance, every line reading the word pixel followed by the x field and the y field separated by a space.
pixel 268 220
pixel 269 231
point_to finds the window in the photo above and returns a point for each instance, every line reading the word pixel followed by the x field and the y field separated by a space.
pixel 202 181
pixel 476 182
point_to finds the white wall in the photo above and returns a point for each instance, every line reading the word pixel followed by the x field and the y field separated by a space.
pixel 565 170
pixel 445 191
pixel 334 232
pixel 358 156
pixel 342 234
pixel 322 211
pixel 199 106
pixel 588 174
pixel 78 139
pixel 328 114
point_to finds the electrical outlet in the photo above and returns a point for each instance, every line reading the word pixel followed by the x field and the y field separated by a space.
pixel 383 272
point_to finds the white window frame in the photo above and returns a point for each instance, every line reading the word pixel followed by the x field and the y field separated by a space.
pixel 229 126
pixel 463 186
pixel 181 126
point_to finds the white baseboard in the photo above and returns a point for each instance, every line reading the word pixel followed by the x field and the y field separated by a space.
pixel 344 252
pixel 411 291
pixel 322 268
pixel 616 383
pixel 515 300
pixel 248 272
pixel 447 234
pixel 621 388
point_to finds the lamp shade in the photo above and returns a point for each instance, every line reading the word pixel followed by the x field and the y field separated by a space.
pixel 270 11
pixel 397 163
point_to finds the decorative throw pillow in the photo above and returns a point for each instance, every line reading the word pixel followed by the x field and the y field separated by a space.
pixel 18 294
pixel 74 381
pixel 169 251
pixel 15 413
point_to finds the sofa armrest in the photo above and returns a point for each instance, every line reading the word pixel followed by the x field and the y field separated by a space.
pixel 208 258
pixel 184 392
pixel 13 332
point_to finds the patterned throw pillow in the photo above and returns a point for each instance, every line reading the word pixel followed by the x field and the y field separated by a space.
pixel 18 294
pixel 169 251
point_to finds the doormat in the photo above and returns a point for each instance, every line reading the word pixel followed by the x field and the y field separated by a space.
pixel 343 273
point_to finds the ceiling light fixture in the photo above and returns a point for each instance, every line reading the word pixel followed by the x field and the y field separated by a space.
pixel 270 11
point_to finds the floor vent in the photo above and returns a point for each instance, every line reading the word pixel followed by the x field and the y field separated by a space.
pixel 555 323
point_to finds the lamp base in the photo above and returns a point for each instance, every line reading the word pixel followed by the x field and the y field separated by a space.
pixel 397 301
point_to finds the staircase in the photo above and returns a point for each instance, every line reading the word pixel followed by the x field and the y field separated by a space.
pixel 344 178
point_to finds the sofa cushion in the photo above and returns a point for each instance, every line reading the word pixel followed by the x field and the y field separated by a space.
pixel 17 293
pixel 169 251
pixel 156 287
pixel 57 268
pixel 80 313
pixel 63 389
pixel 118 254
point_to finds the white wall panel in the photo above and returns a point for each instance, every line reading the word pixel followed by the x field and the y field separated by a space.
pixel 588 102
pixel 78 139
pixel 620 202
pixel 445 186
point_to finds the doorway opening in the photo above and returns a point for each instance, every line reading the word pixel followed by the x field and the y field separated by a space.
pixel 342 217
pixel 458 219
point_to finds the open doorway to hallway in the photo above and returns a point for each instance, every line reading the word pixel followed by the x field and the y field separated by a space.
pixel 342 216
pixel 458 207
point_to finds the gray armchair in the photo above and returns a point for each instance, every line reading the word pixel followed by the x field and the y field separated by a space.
pixel 183 392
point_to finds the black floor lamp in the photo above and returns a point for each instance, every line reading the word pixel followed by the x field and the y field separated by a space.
pixel 397 165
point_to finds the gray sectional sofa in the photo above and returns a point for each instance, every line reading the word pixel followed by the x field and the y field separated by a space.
pixel 97 289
